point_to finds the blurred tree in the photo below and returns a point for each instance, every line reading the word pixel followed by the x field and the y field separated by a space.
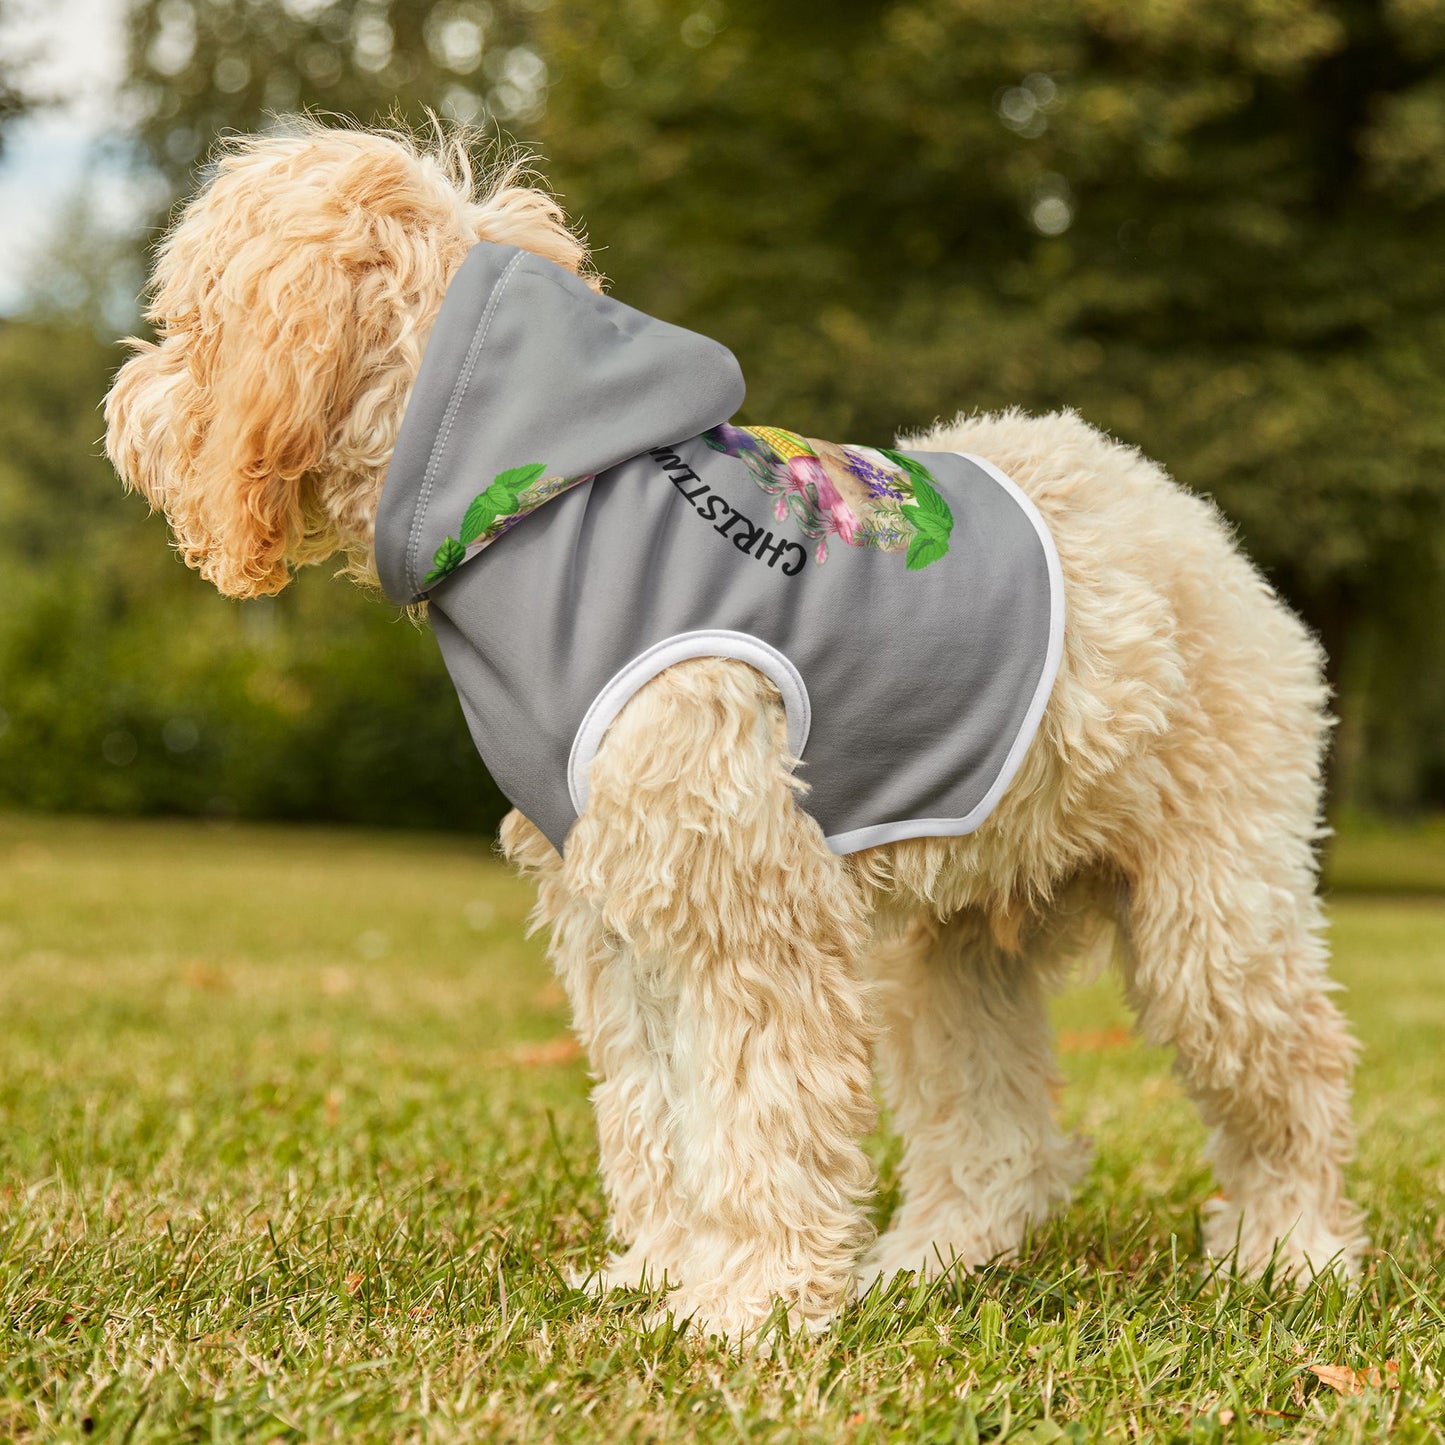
pixel 127 685
pixel 1216 227
pixel 15 96
pixel 202 67
pixel 1218 230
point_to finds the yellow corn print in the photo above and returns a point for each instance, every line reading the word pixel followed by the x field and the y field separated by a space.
pixel 787 444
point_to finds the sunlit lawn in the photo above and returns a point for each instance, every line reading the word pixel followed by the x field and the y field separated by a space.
pixel 292 1146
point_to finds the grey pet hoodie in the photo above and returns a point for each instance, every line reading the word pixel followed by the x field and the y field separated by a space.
pixel 566 493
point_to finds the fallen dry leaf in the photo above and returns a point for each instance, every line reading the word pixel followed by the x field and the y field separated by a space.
pixel 354 1283
pixel 202 975
pixel 335 982
pixel 1347 1381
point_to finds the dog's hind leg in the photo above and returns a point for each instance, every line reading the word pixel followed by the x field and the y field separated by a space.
pixel 1224 950
pixel 743 930
pixel 1225 961
pixel 966 1060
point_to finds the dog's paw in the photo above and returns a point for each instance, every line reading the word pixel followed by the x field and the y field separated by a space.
pixel 632 1270
pixel 966 1228
pixel 898 1253
pixel 1298 1245
pixel 958 1242
pixel 753 1324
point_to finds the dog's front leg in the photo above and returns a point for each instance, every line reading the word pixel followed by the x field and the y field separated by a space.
pixel 739 930
pixel 622 1012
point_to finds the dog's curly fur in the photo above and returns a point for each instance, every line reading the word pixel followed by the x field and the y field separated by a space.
pixel 729 976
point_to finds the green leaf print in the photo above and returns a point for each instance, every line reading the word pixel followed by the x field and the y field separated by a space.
pixel 932 521
pixel 518 479
pixel 931 516
pixel 483 512
pixel 501 499
pixel 925 549
pixel 917 472
pixel 449 556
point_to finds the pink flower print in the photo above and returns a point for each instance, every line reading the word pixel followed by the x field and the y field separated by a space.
pixel 843 520
pixel 780 507
pixel 801 471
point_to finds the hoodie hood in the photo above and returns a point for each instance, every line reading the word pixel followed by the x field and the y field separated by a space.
pixel 530 383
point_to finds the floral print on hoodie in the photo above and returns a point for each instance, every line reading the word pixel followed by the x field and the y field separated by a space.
pixel 864 496
pixel 511 496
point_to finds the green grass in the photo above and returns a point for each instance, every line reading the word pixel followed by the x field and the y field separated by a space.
pixel 284 1154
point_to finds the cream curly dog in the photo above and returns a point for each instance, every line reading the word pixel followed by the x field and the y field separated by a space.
pixel 731 976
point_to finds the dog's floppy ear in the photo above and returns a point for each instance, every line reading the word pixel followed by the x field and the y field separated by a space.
pixel 276 354
pixel 282 281
pixel 221 421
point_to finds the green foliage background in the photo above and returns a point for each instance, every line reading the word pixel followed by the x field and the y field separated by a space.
pixel 1215 228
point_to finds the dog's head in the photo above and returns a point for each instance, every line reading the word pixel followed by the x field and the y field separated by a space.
pixel 291 302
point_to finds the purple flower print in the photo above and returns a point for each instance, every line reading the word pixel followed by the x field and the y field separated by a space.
pixel 880 481
pixel 733 440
